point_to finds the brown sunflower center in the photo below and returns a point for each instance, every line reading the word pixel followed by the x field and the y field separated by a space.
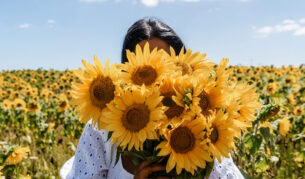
pixel 204 102
pixel 136 117
pixel 185 68
pixel 144 75
pixel 174 110
pixel 33 106
pixel 182 140
pixel 63 104
pixel 102 91
pixel 214 135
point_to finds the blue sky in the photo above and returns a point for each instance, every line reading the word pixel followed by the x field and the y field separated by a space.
pixel 59 33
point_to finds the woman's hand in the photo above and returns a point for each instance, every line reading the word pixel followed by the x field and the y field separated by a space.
pixel 145 169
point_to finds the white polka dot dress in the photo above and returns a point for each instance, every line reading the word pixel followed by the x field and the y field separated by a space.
pixel 95 159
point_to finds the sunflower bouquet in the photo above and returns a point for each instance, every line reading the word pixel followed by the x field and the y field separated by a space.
pixel 180 110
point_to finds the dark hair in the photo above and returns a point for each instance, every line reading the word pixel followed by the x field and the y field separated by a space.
pixel 145 29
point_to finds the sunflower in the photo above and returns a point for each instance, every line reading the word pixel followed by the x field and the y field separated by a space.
pixel 248 103
pixel 190 63
pixel 63 103
pixel 200 94
pixel 7 104
pixel 271 88
pixel 33 106
pixel 174 111
pixel 3 94
pixel 222 74
pixel 17 155
pixel 284 126
pixel 291 99
pixel 298 110
pixel 145 67
pixel 45 94
pixel 183 147
pixel 133 117
pixel 15 94
pixel 98 87
pixel 220 135
pixel 19 103
pixel 28 93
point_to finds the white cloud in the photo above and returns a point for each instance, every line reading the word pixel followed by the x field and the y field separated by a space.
pixel 51 21
pixel 264 31
pixel 300 31
pixel 302 21
pixel 288 21
pixel 287 25
pixel 24 26
pixel 150 3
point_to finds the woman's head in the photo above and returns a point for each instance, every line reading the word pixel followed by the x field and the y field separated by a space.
pixel 155 32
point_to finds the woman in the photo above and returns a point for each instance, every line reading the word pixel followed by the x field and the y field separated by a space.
pixel 95 156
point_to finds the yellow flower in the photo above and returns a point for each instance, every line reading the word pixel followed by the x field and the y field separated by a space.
pixel 222 73
pixel 183 147
pixel 28 93
pixel 19 104
pixel 145 67
pixel 63 103
pixel 271 88
pixel 98 88
pixel 298 110
pixel 248 103
pixel 45 94
pixel 220 135
pixel 174 111
pixel 200 94
pixel 190 63
pixel 133 117
pixel 15 94
pixel 284 126
pixel 33 106
pixel 291 99
pixel 290 80
pixel 7 104
pixel 17 155
pixel 208 95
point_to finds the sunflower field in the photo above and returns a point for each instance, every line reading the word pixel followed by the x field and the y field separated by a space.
pixel 39 126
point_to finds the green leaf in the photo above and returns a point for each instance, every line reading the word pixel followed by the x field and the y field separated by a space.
pixel 245 174
pixel 256 143
pixel 262 166
pixel 109 135
pixel 118 155
pixel 209 168
pixel 265 132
